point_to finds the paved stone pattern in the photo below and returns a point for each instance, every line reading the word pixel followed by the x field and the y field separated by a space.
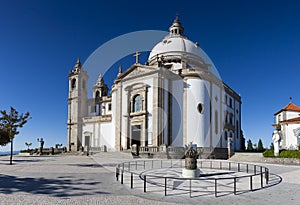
pixel 68 179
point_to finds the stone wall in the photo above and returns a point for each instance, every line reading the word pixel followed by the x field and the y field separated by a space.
pixel 277 160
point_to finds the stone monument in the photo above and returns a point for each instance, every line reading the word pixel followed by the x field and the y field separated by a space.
pixel 276 140
pixel 41 141
pixel 190 169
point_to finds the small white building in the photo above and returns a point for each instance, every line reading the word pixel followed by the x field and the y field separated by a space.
pixel 173 99
pixel 287 120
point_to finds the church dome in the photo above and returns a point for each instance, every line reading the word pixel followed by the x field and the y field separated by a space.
pixel 175 44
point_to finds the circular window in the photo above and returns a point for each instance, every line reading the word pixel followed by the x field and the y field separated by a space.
pixel 200 108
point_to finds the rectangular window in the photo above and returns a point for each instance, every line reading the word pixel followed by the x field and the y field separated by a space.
pixel 216 122
pixel 109 106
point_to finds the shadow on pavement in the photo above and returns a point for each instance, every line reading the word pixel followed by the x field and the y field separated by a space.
pixel 61 187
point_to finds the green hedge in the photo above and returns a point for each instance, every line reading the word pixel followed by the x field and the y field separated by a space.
pixel 283 153
pixel 268 153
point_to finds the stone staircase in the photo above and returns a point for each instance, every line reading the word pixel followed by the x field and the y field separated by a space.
pixel 247 157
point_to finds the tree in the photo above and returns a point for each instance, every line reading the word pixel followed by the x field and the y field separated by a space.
pixel 249 145
pixel 28 144
pixel 10 122
pixel 272 146
pixel 4 138
pixel 243 146
pixel 254 147
pixel 260 146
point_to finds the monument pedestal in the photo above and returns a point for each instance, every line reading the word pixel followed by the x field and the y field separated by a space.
pixel 190 173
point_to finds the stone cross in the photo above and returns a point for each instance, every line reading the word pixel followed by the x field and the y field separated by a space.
pixel 137 54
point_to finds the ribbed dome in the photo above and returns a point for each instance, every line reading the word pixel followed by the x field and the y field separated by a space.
pixel 175 45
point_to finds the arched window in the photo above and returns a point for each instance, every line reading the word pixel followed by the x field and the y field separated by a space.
pixel 137 103
pixel 73 83
pixel 97 94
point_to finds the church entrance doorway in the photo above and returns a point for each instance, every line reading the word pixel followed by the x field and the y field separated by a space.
pixel 136 135
pixel 87 144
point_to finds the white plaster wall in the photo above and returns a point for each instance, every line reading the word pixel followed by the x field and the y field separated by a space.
pixel 198 125
pixel 177 113
pixel 107 135
pixel 291 139
pixel 291 114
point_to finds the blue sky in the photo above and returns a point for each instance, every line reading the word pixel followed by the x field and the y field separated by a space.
pixel 254 45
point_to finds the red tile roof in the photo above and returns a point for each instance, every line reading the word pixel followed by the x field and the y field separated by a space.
pixel 289 107
pixel 295 120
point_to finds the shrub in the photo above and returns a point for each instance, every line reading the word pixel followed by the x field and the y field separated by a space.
pixel 268 153
pixel 290 154
pixel 283 153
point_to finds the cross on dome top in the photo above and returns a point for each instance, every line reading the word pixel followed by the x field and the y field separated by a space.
pixel 176 28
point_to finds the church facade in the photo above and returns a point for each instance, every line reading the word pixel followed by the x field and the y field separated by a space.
pixel 287 123
pixel 173 99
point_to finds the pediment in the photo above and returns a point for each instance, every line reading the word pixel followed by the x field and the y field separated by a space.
pixel 137 71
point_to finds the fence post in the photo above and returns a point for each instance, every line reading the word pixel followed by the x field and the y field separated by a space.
pixel 216 188
pixel 261 178
pixel 254 169
pixel 131 180
pixel 122 176
pixel 117 173
pixel 211 164
pixel 144 164
pixel 145 183
pixel 220 165
pixel 190 188
pixel 247 168
pixel 238 167
pixel 229 165
pixel 251 187
pixel 267 175
pixel 234 188
pixel 165 186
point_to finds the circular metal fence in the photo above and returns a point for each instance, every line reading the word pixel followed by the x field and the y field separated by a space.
pixel 218 177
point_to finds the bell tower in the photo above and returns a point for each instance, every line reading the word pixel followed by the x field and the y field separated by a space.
pixel 100 90
pixel 77 105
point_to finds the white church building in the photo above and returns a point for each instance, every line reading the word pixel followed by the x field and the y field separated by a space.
pixel 173 99
pixel 287 121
